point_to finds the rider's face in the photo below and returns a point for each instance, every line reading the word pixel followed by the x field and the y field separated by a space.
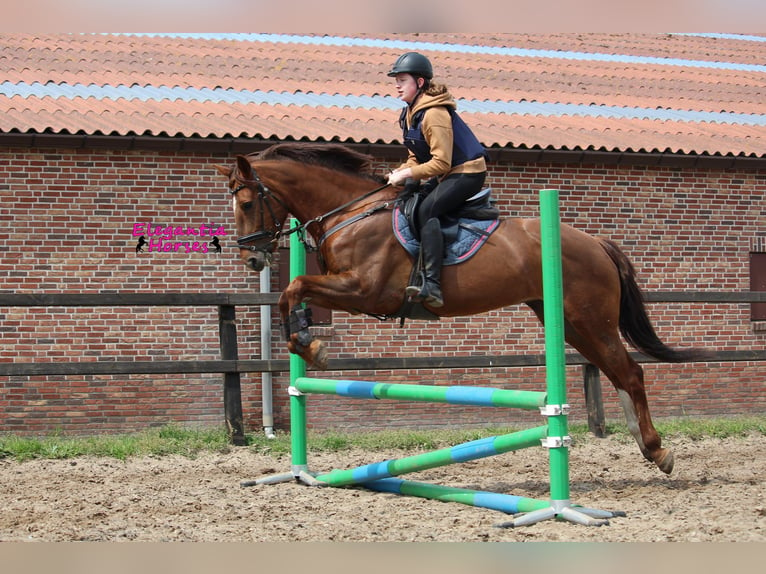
pixel 407 87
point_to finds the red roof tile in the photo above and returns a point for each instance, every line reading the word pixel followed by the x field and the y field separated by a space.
pixel 677 92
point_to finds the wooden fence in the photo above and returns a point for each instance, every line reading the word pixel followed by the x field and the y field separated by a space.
pixel 231 366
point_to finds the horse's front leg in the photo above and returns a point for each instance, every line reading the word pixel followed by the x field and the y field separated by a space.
pixel 324 290
pixel 295 322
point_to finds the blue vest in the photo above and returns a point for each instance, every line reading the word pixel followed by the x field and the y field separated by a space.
pixel 465 146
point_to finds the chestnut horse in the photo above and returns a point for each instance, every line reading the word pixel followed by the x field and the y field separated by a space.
pixel 332 193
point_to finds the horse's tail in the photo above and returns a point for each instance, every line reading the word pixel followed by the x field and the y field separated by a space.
pixel 634 323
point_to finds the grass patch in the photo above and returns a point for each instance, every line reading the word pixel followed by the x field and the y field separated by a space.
pixel 177 440
pixel 714 427
pixel 161 441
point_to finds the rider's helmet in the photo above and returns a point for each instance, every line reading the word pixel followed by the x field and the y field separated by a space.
pixel 413 63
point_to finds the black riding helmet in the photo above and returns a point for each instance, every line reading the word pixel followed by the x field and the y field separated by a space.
pixel 414 64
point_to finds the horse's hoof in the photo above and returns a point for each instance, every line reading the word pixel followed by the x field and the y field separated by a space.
pixel 318 352
pixel 665 461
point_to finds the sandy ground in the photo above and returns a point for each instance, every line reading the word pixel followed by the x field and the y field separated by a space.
pixel 716 493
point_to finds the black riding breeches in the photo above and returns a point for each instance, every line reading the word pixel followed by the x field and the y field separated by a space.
pixel 449 195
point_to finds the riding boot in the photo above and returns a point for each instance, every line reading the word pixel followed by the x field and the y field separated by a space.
pixel 432 251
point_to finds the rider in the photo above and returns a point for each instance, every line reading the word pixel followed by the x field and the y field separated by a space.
pixel 442 149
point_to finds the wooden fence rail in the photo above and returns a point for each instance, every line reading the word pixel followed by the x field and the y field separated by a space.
pixel 231 366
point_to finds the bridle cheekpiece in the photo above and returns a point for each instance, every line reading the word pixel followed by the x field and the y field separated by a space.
pixel 264 238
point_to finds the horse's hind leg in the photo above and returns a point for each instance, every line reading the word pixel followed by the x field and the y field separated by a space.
pixel 598 340
pixel 610 355
pixel 629 382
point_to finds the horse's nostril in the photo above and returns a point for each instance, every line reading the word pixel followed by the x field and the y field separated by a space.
pixel 255 263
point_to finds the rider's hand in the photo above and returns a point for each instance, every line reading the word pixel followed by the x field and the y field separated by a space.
pixel 397 177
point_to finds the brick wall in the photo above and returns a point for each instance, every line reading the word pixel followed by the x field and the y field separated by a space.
pixel 69 221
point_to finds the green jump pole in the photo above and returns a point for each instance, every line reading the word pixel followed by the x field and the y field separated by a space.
pixel 558 439
pixel 297 370
pixel 461 453
pixel 507 503
pixel 555 361
pixel 477 396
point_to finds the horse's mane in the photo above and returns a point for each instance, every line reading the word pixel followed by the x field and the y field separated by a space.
pixel 330 155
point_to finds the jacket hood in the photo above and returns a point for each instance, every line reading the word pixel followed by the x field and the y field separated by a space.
pixel 435 95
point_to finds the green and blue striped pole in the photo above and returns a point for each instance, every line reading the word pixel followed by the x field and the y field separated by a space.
pixel 507 503
pixel 465 452
pixel 476 396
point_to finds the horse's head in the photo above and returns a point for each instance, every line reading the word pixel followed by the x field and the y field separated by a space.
pixel 258 214
pixel 325 178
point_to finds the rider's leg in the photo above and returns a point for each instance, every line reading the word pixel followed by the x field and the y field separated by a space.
pixel 432 248
pixel 448 196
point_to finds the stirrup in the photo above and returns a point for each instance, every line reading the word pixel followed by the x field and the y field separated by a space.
pixel 423 294
pixel 414 292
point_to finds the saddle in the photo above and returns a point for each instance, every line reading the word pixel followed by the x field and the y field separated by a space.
pixel 464 230
pixel 479 207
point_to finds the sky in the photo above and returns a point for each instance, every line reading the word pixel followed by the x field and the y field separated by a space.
pixel 336 16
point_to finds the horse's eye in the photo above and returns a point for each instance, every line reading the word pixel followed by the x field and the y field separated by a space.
pixel 246 205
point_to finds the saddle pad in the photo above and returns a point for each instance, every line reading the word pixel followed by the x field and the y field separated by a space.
pixel 471 235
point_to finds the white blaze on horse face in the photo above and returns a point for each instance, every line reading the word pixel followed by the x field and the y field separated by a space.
pixel 234 204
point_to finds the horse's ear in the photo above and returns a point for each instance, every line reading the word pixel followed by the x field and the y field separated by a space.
pixel 224 171
pixel 245 169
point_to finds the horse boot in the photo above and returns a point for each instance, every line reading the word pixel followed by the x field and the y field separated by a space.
pixel 432 251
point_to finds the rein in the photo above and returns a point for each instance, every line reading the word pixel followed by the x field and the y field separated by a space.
pixel 265 194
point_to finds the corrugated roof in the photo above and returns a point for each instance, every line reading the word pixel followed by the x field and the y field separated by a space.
pixel 676 93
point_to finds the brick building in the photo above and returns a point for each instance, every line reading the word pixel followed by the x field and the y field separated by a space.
pixel 655 141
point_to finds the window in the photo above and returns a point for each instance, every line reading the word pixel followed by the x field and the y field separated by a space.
pixel 758 283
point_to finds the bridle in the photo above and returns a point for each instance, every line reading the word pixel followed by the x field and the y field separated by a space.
pixel 265 238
